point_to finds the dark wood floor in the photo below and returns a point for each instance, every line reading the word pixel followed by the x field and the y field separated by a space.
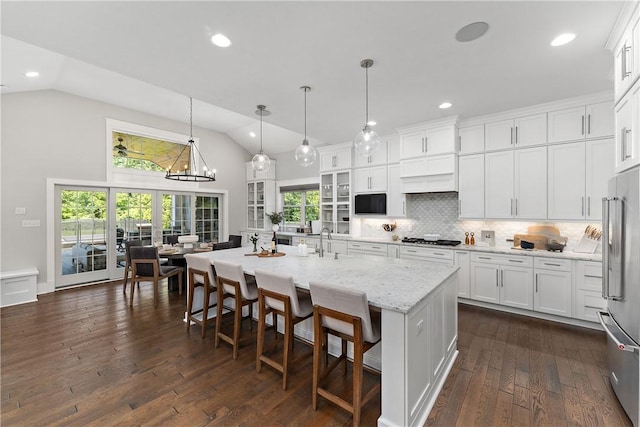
pixel 83 357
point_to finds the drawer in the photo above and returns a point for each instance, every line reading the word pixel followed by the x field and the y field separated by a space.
pixel 442 254
pixel 589 283
pixel 519 261
pixel 593 269
pixel 367 248
pixel 553 264
pixel 587 304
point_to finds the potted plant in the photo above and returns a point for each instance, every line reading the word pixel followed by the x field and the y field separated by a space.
pixel 276 218
pixel 254 240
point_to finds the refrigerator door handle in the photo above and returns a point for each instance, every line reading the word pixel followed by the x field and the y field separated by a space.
pixel 630 346
pixel 605 248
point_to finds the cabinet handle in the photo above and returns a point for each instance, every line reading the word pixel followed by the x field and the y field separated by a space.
pixel 375 247
pixel 511 135
pixel 582 206
pixel 426 144
pixel 589 124
pixel 583 124
pixel 483 257
pixel 516 206
pixel 410 250
pixel 592 307
pixel 511 207
pixel 536 282
pixel 516 134
pixel 625 132
pixel 623 68
pixel 423 144
pixel 403 211
pixel 516 260
pixel 497 280
pixel 554 265
pixel 438 253
pixel 588 205
pixel 502 278
pixel 460 143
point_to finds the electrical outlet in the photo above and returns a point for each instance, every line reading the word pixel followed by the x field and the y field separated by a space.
pixel 31 223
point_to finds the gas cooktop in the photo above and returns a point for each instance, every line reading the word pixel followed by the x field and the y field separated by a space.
pixel 422 241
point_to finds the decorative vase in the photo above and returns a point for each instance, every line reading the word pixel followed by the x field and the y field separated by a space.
pixel 275 227
pixel 255 246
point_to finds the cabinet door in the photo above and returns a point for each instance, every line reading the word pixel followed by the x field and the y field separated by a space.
pixel 371 180
pixel 552 292
pixel 327 161
pixel 530 176
pixel 343 158
pixel 471 186
pixel 623 64
pixel 635 34
pixel 461 259
pixel 393 150
pixel 600 167
pixel 567 125
pixel 393 251
pixel 498 135
pixel 498 173
pixel 530 130
pixel 378 157
pixel 471 139
pixel 396 200
pixel 600 120
pixel 516 287
pixel 567 181
pixel 412 144
pixel 626 150
pixel 440 141
pixel 484 282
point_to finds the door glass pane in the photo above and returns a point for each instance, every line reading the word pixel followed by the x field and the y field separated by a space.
pixel 207 218
pixel 134 216
pixel 83 228
pixel 176 215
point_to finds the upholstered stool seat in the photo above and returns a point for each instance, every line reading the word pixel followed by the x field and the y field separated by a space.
pixel 202 284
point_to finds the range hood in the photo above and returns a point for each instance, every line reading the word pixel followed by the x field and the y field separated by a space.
pixel 434 174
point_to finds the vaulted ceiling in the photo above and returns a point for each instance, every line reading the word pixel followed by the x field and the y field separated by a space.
pixel 152 56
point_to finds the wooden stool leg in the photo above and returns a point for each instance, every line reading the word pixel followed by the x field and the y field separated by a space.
pixel 126 277
pixel 250 316
pixel 190 303
pixel 357 380
pixel 274 322
pixel 219 314
pixel 237 323
pixel 344 354
pixel 288 344
pixel 205 307
pixel 156 292
pixel 261 327
pixel 133 286
pixel 318 335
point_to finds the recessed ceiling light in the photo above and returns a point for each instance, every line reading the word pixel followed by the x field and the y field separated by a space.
pixel 445 105
pixel 563 39
pixel 32 74
pixel 472 31
pixel 372 123
pixel 252 134
pixel 220 40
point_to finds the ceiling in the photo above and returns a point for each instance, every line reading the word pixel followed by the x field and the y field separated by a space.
pixel 151 56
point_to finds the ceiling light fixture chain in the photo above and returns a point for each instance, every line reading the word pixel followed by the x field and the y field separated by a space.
pixel 261 162
pixel 190 171
pixel 366 141
pixel 305 154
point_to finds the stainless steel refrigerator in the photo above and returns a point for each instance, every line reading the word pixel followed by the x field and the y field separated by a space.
pixel 621 287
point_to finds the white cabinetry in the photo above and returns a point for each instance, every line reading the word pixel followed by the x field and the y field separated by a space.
pixel 515 133
pixel 587 299
pixel 367 248
pixel 261 200
pixel 505 280
pixel 578 175
pixel 253 175
pixel 442 256
pixel 578 123
pixel 378 157
pixel 471 186
pixel 552 286
pixel 462 260
pixel 335 201
pixel 427 141
pixel 396 199
pixel 624 52
pixel 515 184
pixel 335 157
pixel 334 246
pixel 393 251
pixel 370 180
pixel 471 139
pixel 628 130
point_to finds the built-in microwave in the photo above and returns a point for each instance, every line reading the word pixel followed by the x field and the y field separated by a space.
pixel 371 204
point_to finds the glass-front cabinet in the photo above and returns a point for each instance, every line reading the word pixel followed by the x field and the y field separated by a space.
pixel 336 201
pixel 260 203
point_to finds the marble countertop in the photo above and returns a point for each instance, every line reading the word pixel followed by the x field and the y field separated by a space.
pixel 395 284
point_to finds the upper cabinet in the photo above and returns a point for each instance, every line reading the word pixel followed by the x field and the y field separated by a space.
pixel 578 123
pixel 627 123
pixel 471 139
pixel 371 180
pixel 253 175
pixel 624 42
pixel 471 186
pixel 335 157
pixel 516 133
pixel 393 150
pixel 377 158
pixel 429 139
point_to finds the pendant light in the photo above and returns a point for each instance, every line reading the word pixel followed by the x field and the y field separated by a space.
pixel 305 153
pixel 261 161
pixel 366 141
pixel 190 171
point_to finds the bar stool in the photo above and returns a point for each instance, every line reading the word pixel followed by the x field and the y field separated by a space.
pixel 343 313
pixel 231 283
pixel 201 285
pixel 277 295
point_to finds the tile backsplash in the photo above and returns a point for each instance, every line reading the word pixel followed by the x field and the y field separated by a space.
pixel 437 213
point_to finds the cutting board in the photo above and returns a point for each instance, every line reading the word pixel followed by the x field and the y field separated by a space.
pixel 539 241
pixel 544 230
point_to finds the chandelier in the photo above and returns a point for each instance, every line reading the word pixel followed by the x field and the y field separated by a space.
pixel 305 154
pixel 189 172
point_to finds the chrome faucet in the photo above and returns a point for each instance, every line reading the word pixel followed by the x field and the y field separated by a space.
pixel 321 250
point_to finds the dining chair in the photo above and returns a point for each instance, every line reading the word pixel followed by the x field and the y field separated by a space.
pixel 201 284
pixel 345 314
pixel 232 283
pixel 277 295
pixel 145 267
pixel 127 256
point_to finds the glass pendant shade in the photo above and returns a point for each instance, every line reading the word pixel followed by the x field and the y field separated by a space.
pixel 261 162
pixel 366 141
pixel 305 154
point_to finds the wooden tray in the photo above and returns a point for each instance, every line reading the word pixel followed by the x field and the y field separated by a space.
pixel 202 249
pixel 270 255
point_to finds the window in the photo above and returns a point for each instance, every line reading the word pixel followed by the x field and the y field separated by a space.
pixel 300 207
pixel 147 154
pixel 207 220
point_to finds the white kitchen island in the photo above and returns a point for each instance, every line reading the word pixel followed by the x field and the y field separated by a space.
pixel 419 319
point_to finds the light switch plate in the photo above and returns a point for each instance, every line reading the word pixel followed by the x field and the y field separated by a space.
pixel 21 211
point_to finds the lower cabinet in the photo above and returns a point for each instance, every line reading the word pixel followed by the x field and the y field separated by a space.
pixel 442 256
pixel 505 280
pixel 587 297
pixel 335 246
pixel 393 251
pixel 461 259
pixel 367 248
pixel 552 286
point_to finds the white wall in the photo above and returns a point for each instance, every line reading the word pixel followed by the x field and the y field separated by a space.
pixel 288 168
pixel 51 134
